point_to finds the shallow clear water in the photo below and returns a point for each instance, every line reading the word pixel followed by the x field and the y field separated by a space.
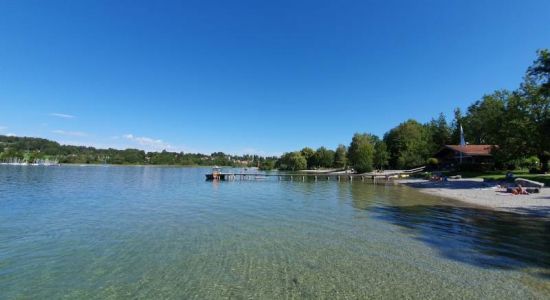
pixel 147 232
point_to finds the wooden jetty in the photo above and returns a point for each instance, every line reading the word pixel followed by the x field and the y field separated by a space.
pixel 337 176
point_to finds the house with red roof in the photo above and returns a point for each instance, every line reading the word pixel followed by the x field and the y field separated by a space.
pixel 453 155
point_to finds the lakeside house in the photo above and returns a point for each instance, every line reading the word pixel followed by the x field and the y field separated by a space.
pixel 476 155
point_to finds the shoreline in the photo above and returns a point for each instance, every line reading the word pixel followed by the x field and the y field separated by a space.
pixel 476 192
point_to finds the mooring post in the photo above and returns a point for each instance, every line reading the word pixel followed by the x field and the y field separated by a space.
pixel 303 178
pixel 350 178
pixel 338 177
pixel 291 178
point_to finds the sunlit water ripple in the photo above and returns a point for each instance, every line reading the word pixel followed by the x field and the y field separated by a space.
pixel 146 232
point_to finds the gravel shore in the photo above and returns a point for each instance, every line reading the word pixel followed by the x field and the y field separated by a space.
pixel 475 191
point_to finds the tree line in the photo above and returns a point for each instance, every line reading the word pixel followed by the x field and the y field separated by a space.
pixel 517 121
pixel 30 149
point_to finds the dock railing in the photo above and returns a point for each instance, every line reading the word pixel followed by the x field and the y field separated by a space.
pixel 301 176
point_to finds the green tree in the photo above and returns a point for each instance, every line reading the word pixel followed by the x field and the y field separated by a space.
pixel 361 152
pixel 440 133
pixel 267 164
pixel 309 155
pixel 484 118
pixel 524 128
pixel 408 145
pixel 536 91
pixel 133 156
pixel 292 161
pixel 381 155
pixel 539 71
pixel 323 158
pixel 514 131
pixel 340 157
pixel 455 126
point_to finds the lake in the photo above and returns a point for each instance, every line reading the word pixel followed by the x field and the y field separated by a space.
pixel 111 232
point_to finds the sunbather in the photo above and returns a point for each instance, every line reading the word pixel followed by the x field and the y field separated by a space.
pixel 519 190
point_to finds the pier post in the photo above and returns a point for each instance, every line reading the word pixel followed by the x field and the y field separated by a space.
pixel 303 178
pixel 350 178
pixel 315 177
pixel 291 178
pixel 362 178
pixel 338 177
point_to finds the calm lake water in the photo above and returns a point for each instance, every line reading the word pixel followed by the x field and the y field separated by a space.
pixel 147 232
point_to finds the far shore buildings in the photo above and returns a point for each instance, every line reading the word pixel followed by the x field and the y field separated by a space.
pixel 453 155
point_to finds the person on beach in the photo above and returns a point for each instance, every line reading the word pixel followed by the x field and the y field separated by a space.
pixel 519 190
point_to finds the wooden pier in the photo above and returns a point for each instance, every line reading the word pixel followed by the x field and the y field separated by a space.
pixel 372 176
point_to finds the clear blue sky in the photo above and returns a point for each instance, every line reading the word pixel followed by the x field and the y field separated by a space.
pixel 252 76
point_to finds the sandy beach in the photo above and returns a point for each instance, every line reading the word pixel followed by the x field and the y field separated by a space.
pixel 475 191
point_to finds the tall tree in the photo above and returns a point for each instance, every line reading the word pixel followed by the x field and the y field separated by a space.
pixel 340 157
pixel 381 155
pixel 309 154
pixel 323 157
pixel 361 152
pixel 536 91
pixel 455 126
pixel 514 131
pixel 484 118
pixel 408 145
pixel 539 71
pixel 440 132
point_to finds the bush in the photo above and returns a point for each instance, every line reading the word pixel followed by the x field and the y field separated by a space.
pixel 267 165
pixel 432 161
pixel 529 162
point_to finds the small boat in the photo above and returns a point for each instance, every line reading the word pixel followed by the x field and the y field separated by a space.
pixel 216 174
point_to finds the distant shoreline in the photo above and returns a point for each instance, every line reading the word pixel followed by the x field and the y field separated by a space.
pixel 144 165
pixel 127 165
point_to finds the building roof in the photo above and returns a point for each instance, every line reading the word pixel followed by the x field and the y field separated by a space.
pixel 472 150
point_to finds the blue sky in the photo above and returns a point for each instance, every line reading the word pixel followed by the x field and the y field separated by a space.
pixel 252 76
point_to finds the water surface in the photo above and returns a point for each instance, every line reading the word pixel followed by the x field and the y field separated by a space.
pixel 148 232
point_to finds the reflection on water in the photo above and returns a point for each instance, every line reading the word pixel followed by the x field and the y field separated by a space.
pixel 477 236
pixel 145 232
pixel 482 237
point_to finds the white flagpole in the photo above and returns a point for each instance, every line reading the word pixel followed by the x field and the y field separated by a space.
pixel 462 142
